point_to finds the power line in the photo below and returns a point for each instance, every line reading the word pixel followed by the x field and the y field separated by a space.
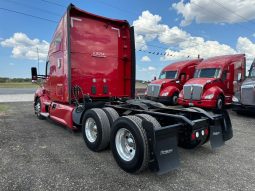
pixel 54 3
pixel 214 13
pixel 33 7
pixel 21 13
pixel 234 13
pixel 110 5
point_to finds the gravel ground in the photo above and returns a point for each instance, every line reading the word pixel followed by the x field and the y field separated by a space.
pixel 41 155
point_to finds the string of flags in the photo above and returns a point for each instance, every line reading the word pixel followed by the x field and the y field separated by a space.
pixel 156 53
pixel 161 53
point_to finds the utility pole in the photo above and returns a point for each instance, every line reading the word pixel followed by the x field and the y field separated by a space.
pixel 38 60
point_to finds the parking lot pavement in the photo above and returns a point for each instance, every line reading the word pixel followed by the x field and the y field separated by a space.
pixel 41 155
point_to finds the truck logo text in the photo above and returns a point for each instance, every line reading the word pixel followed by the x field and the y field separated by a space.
pixel 165 152
pixel 98 54
pixel 216 133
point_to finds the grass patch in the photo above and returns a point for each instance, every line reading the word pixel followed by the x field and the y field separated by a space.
pixel 140 85
pixel 3 108
pixel 18 85
pixel 31 85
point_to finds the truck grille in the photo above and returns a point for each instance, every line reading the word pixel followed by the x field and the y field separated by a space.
pixel 153 90
pixel 193 92
pixel 248 95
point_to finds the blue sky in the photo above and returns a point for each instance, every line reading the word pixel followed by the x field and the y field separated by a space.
pixel 179 29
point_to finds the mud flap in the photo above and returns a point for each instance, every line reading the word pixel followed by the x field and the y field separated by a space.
pixel 163 146
pixel 221 131
pixel 216 136
pixel 227 126
pixel 166 153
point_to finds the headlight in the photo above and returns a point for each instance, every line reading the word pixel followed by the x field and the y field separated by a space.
pixel 210 96
pixel 164 94
pixel 235 99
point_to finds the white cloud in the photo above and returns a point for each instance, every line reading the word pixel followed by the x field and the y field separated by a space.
pixel 148 69
pixel 140 43
pixel 218 11
pixel 26 48
pixel 148 28
pixel 172 36
pixel 198 46
pixel 145 59
pixel 151 68
pixel 245 45
pixel 182 43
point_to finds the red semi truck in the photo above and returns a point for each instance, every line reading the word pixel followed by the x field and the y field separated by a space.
pixel 170 82
pixel 215 82
pixel 89 84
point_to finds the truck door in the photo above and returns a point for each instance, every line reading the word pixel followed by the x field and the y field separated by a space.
pixel 47 84
pixel 239 74
pixel 225 78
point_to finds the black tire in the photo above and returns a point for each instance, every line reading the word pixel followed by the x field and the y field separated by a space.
pixel 103 129
pixel 112 114
pixel 140 160
pixel 150 119
pixel 220 103
pixel 174 99
pixel 38 109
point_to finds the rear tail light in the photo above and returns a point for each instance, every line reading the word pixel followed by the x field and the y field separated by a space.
pixel 206 131
pixel 193 136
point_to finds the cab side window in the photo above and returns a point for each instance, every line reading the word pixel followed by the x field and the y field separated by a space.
pixel 183 76
pixel 47 68
pixel 224 75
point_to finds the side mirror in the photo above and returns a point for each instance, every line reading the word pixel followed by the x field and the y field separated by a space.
pixel 182 78
pixel 239 77
pixel 34 73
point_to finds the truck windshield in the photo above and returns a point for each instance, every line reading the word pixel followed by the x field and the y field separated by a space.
pixel 252 71
pixel 168 75
pixel 207 73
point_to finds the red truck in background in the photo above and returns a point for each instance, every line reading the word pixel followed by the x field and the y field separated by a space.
pixel 89 84
pixel 170 82
pixel 215 82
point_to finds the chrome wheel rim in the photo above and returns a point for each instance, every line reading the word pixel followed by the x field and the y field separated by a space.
pixel 125 144
pixel 91 130
pixel 219 103
pixel 37 108
pixel 175 99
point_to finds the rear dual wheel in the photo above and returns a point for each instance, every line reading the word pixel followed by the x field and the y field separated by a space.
pixel 96 125
pixel 127 137
pixel 129 144
pixel 96 129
